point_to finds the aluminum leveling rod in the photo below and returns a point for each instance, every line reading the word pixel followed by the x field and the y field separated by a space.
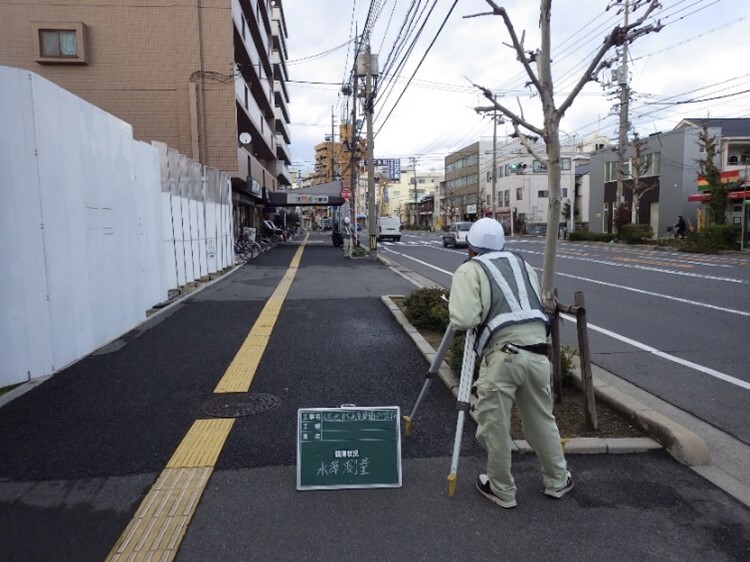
pixel 462 405
pixel 450 331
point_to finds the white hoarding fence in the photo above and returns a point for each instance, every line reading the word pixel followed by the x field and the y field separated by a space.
pixel 97 227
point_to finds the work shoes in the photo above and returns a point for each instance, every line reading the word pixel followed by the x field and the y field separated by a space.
pixel 561 491
pixel 483 485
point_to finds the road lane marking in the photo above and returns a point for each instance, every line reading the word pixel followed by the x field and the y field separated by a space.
pixel 651 293
pixel 647 268
pixel 644 347
pixel 424 263
pixel 159 525
pixel 684 362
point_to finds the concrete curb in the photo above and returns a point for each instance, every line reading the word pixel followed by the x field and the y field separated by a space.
pixel 682 444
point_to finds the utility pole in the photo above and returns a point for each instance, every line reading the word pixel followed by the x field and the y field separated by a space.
pixel 494 158
pixel 354 163
pixel 333 162
pixel 622 79
pixel 414 179
pixel 369 106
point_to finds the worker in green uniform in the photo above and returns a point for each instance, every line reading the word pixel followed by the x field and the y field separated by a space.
pixel 497 292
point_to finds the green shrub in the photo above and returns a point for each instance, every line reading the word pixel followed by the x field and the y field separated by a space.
pixel 713 239
pixel 359 251
pixel 585 235
pixel 723 236
pixel 425 308
pixel 635 233
pixel 567 354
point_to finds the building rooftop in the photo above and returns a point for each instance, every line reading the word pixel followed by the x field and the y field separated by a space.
pixel 730 126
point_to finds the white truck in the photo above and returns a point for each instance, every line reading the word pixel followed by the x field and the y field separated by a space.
pixel 389 228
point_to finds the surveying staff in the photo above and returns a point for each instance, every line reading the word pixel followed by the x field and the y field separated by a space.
pixel 497 293
pixel 347 234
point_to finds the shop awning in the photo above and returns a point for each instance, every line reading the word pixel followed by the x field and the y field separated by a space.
pixel 745 194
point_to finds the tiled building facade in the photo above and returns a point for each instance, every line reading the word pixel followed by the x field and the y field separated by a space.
pixel 194 74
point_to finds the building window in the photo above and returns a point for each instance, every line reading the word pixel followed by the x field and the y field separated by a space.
pixel 565 163
pixel 60 43
pixel 542 193
pixel 57 43
pixel 519 194
pixel 539 168
pixel 564 191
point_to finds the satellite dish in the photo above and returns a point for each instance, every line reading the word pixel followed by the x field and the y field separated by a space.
pixel 245 138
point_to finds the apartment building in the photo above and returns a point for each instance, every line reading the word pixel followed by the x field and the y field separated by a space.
pixel 407 198
pixel 207 77
pixel 519 191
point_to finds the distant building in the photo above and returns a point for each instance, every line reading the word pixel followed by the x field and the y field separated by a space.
pixel 184 73
pixel 521 188
pixel 673 172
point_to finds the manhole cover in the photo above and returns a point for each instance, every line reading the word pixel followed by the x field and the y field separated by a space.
pixel 236 405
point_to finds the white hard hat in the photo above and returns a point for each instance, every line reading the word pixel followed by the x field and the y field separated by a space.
pixel 486 235
pixel 346 220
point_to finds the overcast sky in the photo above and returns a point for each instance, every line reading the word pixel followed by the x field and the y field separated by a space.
pixel 701 53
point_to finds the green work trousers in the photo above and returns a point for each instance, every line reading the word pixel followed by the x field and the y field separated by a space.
pixel 523 379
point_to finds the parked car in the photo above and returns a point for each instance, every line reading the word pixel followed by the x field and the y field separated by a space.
pixel 455 235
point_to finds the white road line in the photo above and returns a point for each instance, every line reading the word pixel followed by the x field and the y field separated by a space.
pixel 650 293
pixel 648 268
pixel 700 368
pixel 684 362
pixel 424 263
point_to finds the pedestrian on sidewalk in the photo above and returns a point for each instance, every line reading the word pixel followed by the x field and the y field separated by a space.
pixel 347 234
pixel 497 292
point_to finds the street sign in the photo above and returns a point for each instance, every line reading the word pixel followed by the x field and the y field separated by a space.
pixel 348 447
pixel 346 193
pixel 295 198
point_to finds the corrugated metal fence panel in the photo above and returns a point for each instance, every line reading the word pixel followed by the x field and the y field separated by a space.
pixel 168 263
pixel 25 324
pixel 153 286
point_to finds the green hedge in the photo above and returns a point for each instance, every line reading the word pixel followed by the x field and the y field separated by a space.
pixel 426 308
pixel 713 239
pixel 585 235
pixel 635 233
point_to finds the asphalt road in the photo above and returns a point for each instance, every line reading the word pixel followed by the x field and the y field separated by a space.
pixel 671 323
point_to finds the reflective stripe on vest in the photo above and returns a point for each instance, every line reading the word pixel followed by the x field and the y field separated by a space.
pixel 513 300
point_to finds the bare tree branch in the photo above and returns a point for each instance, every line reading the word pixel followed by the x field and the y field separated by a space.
pixel 527 145
pixel 487 93
pixel 616 37
pixel 517 45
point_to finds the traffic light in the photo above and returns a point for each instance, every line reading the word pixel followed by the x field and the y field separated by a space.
pixel 517 167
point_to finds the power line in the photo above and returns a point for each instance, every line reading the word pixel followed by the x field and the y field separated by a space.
pixel 429 47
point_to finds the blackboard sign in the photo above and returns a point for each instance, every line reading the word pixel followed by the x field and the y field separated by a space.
pixel 348 447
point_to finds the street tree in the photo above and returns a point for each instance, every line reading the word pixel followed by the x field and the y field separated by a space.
pixel 719 192
pixel 639 165
pixel 537 65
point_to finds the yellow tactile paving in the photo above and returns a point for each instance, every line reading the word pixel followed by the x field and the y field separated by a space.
pixel 202 444
pixel 159 524
pixel 157 529
pixel 239 375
